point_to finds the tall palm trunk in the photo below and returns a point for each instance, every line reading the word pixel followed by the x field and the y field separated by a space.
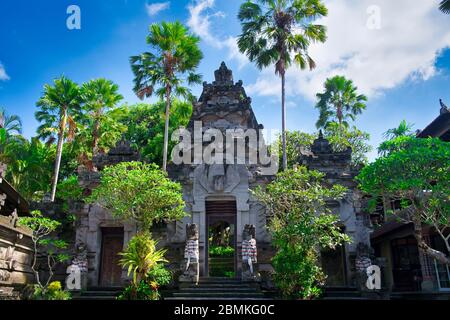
pixel 166 128
pixel 62 129
pixel 95 136
pixel 283 120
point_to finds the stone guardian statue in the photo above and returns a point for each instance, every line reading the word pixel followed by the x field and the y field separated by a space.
pixel 191 254
pixel 249 253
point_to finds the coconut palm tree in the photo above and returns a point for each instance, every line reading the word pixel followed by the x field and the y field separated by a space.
pixel 11 123
pixel 99 96
pixel 174 59
pixel 339 102
pixel 279 32
pixel 59 108
pixel 444 6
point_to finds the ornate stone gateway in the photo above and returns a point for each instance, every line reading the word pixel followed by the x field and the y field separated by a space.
pixel 217 195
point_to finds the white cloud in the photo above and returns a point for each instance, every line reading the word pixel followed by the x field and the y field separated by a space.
pixel 3 75
pixel 200 15
pixel 155 8
pixel 405 47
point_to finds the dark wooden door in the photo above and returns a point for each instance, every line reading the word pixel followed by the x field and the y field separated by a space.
pixel 112 244
pixel 406 265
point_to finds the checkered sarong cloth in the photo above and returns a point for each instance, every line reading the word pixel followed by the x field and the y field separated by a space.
pixel 249 250
pixel 191 249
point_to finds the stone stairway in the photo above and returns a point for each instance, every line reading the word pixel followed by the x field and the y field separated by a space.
pixel 217 289
pixel 98 294
pixel 343 293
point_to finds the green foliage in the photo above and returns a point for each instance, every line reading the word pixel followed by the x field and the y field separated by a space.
pixel 30 166
pixel 54 291
pixel 141 256
pixel 279 32
pixel 11 124
pixel 341 138
pixel 296 141
pixel 173 61
pixel 146 264
pixel 69 189
pixel 417 172
pixel 339 102
pixel 42 227
pixel 160 275
pixel 301 225
pixel 100 97
pixel 403 129
pixel 145 123
pixel 141 192
pixel 218 251
pixel 143 291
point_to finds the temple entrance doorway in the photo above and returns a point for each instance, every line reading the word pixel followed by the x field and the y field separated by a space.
pixel 112 244
pixel 221 238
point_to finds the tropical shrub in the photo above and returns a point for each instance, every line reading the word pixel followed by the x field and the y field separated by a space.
pixel 217 251
pixel 301 225
pixel 53 291
pixel 51 248
pixel 416 174
pixel 144 262
pixel 139 191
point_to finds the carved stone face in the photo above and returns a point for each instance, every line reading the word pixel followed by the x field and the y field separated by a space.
pixel 249 232
pixel 191 231
pixel 81 248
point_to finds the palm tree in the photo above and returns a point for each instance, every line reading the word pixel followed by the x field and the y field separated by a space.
pixel 403 129
pixel 444 6
pixel 99 96
pixel 10 129
pixel 175 54
pixel 279 32
pixel 339 102
pixel 59 108
pixel 11 123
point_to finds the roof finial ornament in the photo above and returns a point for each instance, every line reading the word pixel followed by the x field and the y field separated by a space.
pixel 320 134
pixel 444 108
pixel 223 75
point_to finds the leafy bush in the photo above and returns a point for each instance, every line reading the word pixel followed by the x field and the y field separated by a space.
pixel 160 275
pixel 53 291
pixel 145 263
pixel 142 291
pixel 218 251
pixel 301 224
pixel 141 256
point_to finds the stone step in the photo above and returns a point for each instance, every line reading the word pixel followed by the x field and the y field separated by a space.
pixel 105 297
pixel 223 280
pixel 100 293
pixel 215 298
pixel 224 286
pixel 237 295
pixel 207 290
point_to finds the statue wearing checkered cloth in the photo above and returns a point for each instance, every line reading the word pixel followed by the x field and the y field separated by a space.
pixel 191 253
pixel 249 252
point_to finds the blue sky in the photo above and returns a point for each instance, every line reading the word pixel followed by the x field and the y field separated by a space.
pixel 401 62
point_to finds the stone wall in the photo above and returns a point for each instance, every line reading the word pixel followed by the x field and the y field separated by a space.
pixel 355 221
pixel 16 254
